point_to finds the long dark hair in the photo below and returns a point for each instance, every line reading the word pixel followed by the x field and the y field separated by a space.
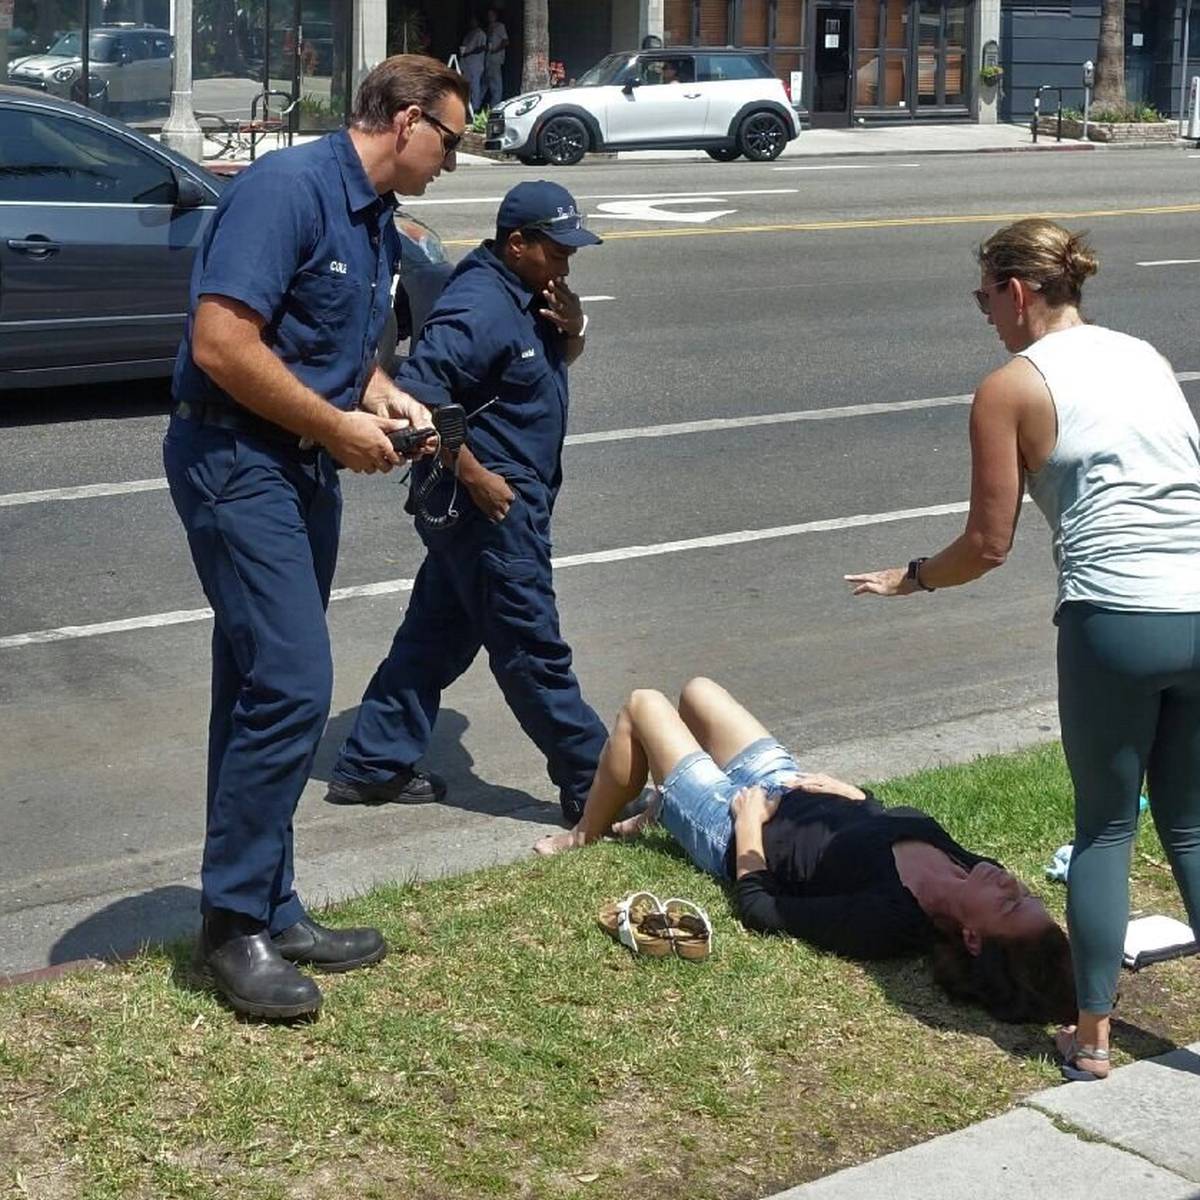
pixel 1013 979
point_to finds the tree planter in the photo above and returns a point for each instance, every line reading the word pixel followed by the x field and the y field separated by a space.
pixel 1112 131
pixel 472 143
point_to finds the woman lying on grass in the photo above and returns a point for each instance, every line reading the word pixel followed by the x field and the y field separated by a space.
pixel 823 860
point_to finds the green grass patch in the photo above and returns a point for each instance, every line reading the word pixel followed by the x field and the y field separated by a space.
pixel 508 1048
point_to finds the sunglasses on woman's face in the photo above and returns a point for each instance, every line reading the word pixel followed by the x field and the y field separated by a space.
pixel 983 295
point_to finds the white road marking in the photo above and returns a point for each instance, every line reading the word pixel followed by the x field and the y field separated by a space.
pixel 84 492
pixel 653 210
pixel 1168 262
pixel 389 587
pixel 616 196
pixel 715 425
pixel 852 167
pixel 594 299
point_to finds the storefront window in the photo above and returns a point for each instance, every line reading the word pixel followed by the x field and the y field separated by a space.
pixel 227 56
pixel 714 22
pixel 677 22
pixel 755 23
pixel 896 24
pixel 928 42
pixel 895 79
pixel 955 85
pixel 789 23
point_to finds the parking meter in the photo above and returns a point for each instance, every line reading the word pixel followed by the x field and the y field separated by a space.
pixel 1089 74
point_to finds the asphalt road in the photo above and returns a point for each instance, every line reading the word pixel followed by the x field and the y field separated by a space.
pixel 827 300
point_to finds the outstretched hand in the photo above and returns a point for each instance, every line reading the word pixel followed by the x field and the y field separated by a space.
pixel 893 581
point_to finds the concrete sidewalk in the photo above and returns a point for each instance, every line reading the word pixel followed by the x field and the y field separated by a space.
pixel 915 138
pixel 1137 1134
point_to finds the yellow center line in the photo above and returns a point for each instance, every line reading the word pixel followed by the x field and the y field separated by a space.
pixel 1158 210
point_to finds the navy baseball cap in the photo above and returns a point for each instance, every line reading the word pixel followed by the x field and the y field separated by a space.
pixel 547 207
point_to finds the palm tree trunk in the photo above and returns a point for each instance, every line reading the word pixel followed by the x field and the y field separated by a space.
pixel 1110 55
pixel 535 71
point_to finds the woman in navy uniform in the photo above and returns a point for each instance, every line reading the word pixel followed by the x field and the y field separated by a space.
pixel 498 342
pixel 275 386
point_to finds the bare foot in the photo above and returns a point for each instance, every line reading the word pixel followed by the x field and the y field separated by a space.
pixel 556 843
pixel 636 825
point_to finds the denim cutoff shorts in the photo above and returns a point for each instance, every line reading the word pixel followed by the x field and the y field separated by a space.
pixel 696 796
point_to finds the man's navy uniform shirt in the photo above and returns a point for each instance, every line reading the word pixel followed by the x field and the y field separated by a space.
pixel 303 239
pixel 485 347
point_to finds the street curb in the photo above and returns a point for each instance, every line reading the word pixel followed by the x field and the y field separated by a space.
pixel 75 966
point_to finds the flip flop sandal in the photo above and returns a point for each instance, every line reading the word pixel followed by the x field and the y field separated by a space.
pixel 691 930
pixel 638 922
pixel 1074 1051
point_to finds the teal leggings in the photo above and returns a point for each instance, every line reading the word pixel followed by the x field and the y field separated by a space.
pixel 1129 702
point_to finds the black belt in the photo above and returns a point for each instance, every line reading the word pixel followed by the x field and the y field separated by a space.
pixel 241 420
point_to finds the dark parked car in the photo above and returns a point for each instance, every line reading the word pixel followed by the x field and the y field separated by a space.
pixel 98 228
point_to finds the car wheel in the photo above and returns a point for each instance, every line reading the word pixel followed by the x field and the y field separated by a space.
pixel 762 136
pixel 563 141
pixel 725 154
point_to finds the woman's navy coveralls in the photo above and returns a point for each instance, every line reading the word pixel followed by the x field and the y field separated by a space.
pixel 304 240
pixel 485 584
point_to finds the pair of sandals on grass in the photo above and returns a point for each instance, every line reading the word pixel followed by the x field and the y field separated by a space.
pixel 658 928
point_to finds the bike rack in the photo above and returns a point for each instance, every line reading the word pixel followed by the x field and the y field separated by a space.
pixel 264 98
pixel 1037 109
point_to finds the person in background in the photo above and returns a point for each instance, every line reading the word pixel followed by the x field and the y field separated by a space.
pixel 497 45
pixel 471 54
pixel 1095 424
pixel 821 859
pixel 276 386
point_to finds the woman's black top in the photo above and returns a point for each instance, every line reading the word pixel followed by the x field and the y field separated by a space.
pixel 831 876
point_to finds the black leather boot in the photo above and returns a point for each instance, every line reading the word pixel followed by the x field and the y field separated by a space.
pixel 238 957
pixel 330 949
pixel 409 784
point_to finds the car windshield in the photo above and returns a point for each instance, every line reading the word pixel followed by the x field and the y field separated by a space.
pixel 606 71
pixel 101 47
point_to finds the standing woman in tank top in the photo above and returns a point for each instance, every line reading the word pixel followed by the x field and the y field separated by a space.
pixel 1096 425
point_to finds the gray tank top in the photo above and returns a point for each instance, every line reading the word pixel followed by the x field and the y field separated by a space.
pixel 1121 489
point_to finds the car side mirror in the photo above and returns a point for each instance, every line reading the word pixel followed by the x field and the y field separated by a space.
pixel 188 193
pixel 630 84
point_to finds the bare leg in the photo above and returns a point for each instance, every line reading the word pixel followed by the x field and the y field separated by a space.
pixel 649 737
pixel 718 722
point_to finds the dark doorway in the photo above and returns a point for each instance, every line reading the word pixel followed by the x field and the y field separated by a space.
pixel 831 68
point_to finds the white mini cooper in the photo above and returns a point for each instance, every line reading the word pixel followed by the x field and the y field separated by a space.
pixel 727 102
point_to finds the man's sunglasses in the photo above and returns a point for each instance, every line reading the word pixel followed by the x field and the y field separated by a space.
pixel 450 140
pixel 983 295
pixel 559 224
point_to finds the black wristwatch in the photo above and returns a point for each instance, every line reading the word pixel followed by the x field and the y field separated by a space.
pixel 914 573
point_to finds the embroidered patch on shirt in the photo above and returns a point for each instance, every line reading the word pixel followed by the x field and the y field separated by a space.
pixel 530 353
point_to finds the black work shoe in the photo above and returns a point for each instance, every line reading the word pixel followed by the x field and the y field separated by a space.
pixel 237 956
pixel 329 949
pixel 409 784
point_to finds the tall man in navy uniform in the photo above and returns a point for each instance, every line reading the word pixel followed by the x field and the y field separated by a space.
pixel 498 342
pixel 275 385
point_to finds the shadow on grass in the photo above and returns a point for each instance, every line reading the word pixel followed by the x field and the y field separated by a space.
pixel 449 758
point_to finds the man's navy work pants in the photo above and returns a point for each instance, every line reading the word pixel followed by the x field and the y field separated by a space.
pixel 491 586
pixel 262 525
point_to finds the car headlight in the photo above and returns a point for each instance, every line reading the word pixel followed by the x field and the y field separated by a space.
pixel 65 74
pixel 526 104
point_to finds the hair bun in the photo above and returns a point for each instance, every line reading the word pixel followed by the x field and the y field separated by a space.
pixel 1079 259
